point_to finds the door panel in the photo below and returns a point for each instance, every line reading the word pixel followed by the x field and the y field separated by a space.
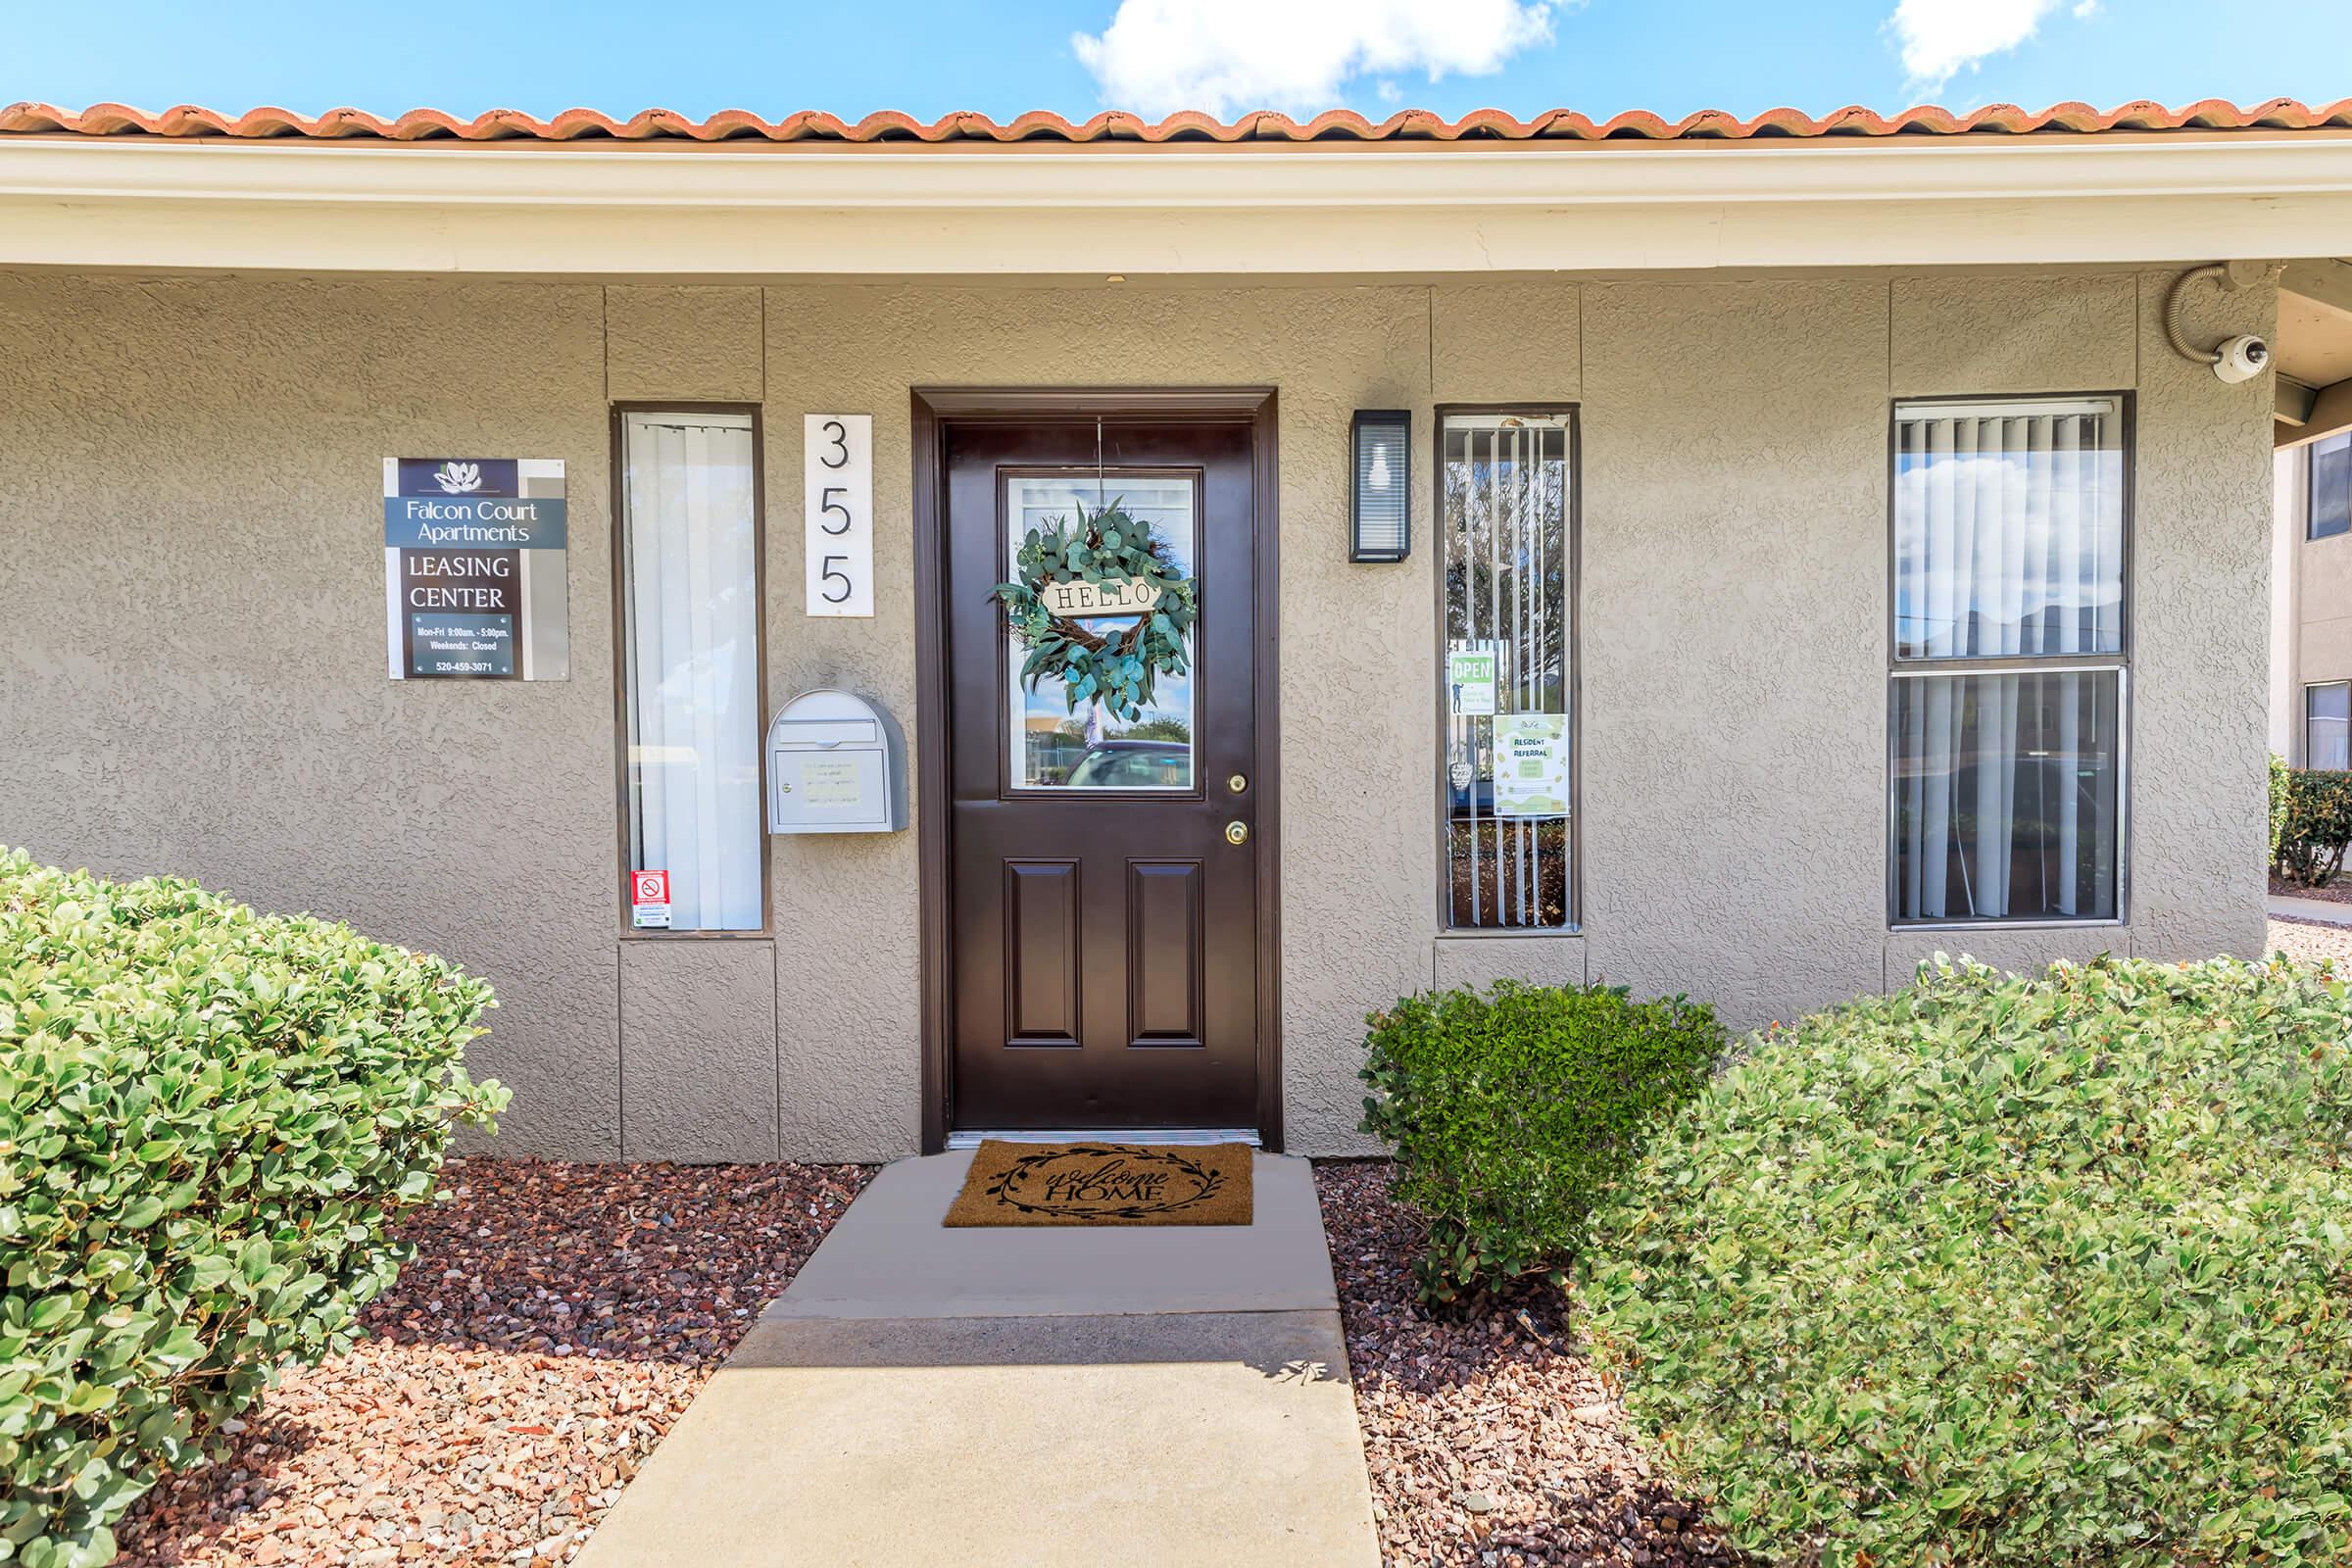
pixel 1041 952
pixel 1103 930
pixel 1166 966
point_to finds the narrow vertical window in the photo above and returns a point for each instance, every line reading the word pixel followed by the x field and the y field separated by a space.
pixel 2007 710
pixel 1505 527
pixel 2327 726
pixel 2332 486
pixel 690 664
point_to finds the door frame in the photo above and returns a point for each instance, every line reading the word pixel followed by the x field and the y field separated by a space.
pixel 933 410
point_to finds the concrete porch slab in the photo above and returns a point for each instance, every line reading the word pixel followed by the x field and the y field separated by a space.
pixel 889 1257
pixel 1065 1398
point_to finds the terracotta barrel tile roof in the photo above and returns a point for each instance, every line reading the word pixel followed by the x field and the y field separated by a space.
pixel 189 122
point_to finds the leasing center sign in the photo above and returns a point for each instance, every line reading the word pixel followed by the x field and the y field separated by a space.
pixel 474 579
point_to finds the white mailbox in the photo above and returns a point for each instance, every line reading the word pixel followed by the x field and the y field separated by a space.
pixel 835 764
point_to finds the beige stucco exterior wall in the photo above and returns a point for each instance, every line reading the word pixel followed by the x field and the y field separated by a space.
pixel 193 676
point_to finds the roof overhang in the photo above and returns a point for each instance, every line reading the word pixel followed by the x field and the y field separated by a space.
pixel 718 211
pixel 2313 391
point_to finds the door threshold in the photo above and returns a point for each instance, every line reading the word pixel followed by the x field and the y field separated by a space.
pixel 970 1139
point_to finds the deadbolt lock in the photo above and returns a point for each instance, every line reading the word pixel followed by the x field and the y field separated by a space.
pixel 1237 783
pixel 1237 832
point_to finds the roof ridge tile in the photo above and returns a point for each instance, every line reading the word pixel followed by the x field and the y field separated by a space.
pixel 189 122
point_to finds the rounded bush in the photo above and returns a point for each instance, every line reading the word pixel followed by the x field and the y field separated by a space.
pixel 208 1117
pixel 1511 1110
pixel 2311 824
pixel 2005 1270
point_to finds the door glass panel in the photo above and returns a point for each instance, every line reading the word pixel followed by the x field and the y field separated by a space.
pixel 1090 748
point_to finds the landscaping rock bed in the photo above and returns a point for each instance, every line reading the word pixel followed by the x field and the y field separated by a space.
pixel 557 1320
pixel 1491 1444
pixel 2313 942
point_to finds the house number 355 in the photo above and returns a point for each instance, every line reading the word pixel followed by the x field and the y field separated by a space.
pixel 837 460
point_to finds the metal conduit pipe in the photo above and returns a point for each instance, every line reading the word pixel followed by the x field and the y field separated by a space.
pixel 2234 359
pixel 2172 313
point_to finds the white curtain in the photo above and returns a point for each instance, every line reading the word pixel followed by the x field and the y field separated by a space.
pixel 2008 545
pixel 692 664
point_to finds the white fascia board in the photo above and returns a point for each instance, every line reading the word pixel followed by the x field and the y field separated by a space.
pixel 714 211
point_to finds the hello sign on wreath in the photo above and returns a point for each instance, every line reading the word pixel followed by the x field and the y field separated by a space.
pixel 1103 563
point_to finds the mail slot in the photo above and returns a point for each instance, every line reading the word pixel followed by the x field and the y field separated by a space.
pixel 835 764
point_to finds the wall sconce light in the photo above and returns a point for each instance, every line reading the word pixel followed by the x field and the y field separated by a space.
pixel 1380 498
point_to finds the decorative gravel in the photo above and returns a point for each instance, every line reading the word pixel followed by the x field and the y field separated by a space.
pixel 2313 942
pixel 556 1321
pixel 1491 1441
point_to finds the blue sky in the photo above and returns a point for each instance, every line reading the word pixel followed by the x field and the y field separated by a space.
pixel 1076 56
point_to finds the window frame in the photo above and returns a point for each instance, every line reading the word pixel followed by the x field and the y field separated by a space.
pixel 2311 492
pixel 1899 668
pixel 2310 687
pixel 1570 414
pixel 617 559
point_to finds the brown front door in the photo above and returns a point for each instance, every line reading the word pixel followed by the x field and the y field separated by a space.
pixel 1103 924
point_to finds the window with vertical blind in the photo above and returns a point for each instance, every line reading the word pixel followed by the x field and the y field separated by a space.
pixel 2330 481
pixel 690 663
pixel 1506 542
pixel 2009 675
pixel 2327 726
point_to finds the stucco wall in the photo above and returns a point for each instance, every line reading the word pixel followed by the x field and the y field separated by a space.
pixel 193 668
pixel 192 608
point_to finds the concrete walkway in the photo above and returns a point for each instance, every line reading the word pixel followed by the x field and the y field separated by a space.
pixel 2324 910
pixel 1096 1397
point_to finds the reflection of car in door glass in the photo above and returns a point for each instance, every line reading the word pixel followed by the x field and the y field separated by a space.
pixel 1134 765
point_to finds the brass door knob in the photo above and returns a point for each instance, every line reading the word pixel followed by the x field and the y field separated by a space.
pixel 1237 832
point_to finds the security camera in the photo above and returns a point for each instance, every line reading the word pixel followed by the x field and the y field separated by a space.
pixel 2241 358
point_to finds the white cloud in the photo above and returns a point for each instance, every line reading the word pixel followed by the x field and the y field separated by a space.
pixel 1226 56
pixel 1940 37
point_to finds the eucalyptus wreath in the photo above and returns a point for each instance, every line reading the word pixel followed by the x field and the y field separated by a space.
pixel 1118 667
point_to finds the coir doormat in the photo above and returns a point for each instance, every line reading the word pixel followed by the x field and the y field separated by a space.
pixel 1104 1184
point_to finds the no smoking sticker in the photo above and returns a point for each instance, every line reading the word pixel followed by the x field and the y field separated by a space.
pixel 649 899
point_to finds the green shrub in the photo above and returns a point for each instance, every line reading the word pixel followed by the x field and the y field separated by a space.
pixel 207 1118
pixel 2311 823
pixel 2008 1271
pixel 2281 777
pixel 1510 1112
